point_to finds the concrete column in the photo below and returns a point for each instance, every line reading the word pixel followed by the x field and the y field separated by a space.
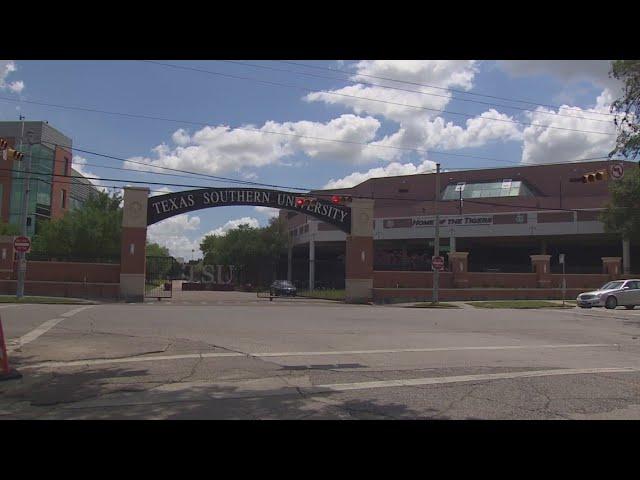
pixel 134 243
pixel 452 243
pixel 289 261
pixel 611 266
pixel 626 257
pixel 359 253
pixel 312 266
pixel 542 268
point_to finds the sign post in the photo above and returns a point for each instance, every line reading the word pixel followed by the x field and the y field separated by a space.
pixel 564 282
pixel 436 246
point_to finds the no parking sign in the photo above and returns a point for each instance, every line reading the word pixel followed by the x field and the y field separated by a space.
pixel 617 171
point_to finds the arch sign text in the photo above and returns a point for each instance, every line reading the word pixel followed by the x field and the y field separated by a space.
pixel 162 207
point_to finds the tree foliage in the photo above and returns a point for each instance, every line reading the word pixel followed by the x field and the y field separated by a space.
pixel 92 231
pixel 622 215
pixel 254 251
pixel 627 108
pixel 155 250
pixel 9 229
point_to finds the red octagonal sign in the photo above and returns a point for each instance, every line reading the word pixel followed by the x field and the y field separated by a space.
pixel 22 244
pixel 437 263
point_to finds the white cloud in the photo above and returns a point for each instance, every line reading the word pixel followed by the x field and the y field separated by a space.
pixel 252 222
pixel 170 233
pixel 268 211
pixel 421 129
pixel 545 145
pixel 438 73
pixel 567 71
pixel 7 67
pixel 390 170
pixel 78 163
pixel 219 149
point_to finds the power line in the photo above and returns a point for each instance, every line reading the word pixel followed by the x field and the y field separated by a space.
pixel 349 142
pixel 278 84
pixel 358 82
pixel 343 72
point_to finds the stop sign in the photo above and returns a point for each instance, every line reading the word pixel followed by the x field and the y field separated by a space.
pixel 22 244
pixel 437 263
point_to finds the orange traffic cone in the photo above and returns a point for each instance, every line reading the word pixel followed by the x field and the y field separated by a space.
pixel 6 373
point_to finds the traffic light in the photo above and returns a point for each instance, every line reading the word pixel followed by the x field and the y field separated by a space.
pixel 306 201
pixel 9 152
pixel 594 176
pixel 340 199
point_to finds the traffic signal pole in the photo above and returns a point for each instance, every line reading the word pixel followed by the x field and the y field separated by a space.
pixel 22 260
pixel 436 242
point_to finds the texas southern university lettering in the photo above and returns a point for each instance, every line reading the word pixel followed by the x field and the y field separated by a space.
pixel 162 207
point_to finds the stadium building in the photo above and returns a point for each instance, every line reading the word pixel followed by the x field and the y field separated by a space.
pixel 499 216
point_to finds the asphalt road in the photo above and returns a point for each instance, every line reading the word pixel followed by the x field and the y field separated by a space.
pixel 238 357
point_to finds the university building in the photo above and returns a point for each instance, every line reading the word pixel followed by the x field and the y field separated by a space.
pixel 494 218
pixel 51 195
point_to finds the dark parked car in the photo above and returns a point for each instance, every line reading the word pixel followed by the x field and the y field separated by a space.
pixel 283 287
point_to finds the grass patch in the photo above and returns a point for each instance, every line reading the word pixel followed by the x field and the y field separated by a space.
pixel 329 294
pixel 46 300
pixel 518 304
pixel 432 305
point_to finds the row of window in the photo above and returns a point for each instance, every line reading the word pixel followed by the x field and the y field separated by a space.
pixel 300 230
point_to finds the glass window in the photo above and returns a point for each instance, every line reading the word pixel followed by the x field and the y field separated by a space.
pixel 488 190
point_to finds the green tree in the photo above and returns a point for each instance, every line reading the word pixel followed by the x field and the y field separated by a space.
pixel 254 251
pixel 155 250
pixel 627 108
pixel 94 230
pixel 622 214
pixel 9 229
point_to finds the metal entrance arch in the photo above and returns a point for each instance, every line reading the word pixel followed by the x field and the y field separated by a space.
pixel 140 211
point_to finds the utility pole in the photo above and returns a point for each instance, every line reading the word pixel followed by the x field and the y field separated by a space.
pixel 22 260
pixel 436 242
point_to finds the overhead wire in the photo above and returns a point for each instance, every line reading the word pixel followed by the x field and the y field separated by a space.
pixel 343 72
pixel 417 107
pixel 388 87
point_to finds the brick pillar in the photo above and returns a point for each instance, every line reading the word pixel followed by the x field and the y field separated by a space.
pixel 542 268
pixel 458 262
pixel 611 266
pixel 134 244
pixel 359 253
pixel 6 257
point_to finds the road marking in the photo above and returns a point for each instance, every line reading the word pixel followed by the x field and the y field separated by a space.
pixel 412 382
pixel 71 313
pixel 42 329
pixel 153 358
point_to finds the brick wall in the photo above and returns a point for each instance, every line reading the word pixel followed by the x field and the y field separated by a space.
pixel 65 279
pixel 393 295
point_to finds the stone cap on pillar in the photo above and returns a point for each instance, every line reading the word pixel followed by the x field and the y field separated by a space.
pixel 611 259
pixel 462 255
pixel 544 258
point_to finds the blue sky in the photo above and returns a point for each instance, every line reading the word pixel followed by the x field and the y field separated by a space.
pixel 578 93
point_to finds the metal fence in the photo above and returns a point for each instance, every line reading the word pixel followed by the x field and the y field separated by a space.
pixel 46 257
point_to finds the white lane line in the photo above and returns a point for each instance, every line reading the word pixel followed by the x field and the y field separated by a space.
pixel 42 329
pixel 340 387
pixel 434 349
pixel 71 313
pixel 153 358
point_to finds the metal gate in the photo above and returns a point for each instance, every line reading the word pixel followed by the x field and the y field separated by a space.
pixel 159 275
